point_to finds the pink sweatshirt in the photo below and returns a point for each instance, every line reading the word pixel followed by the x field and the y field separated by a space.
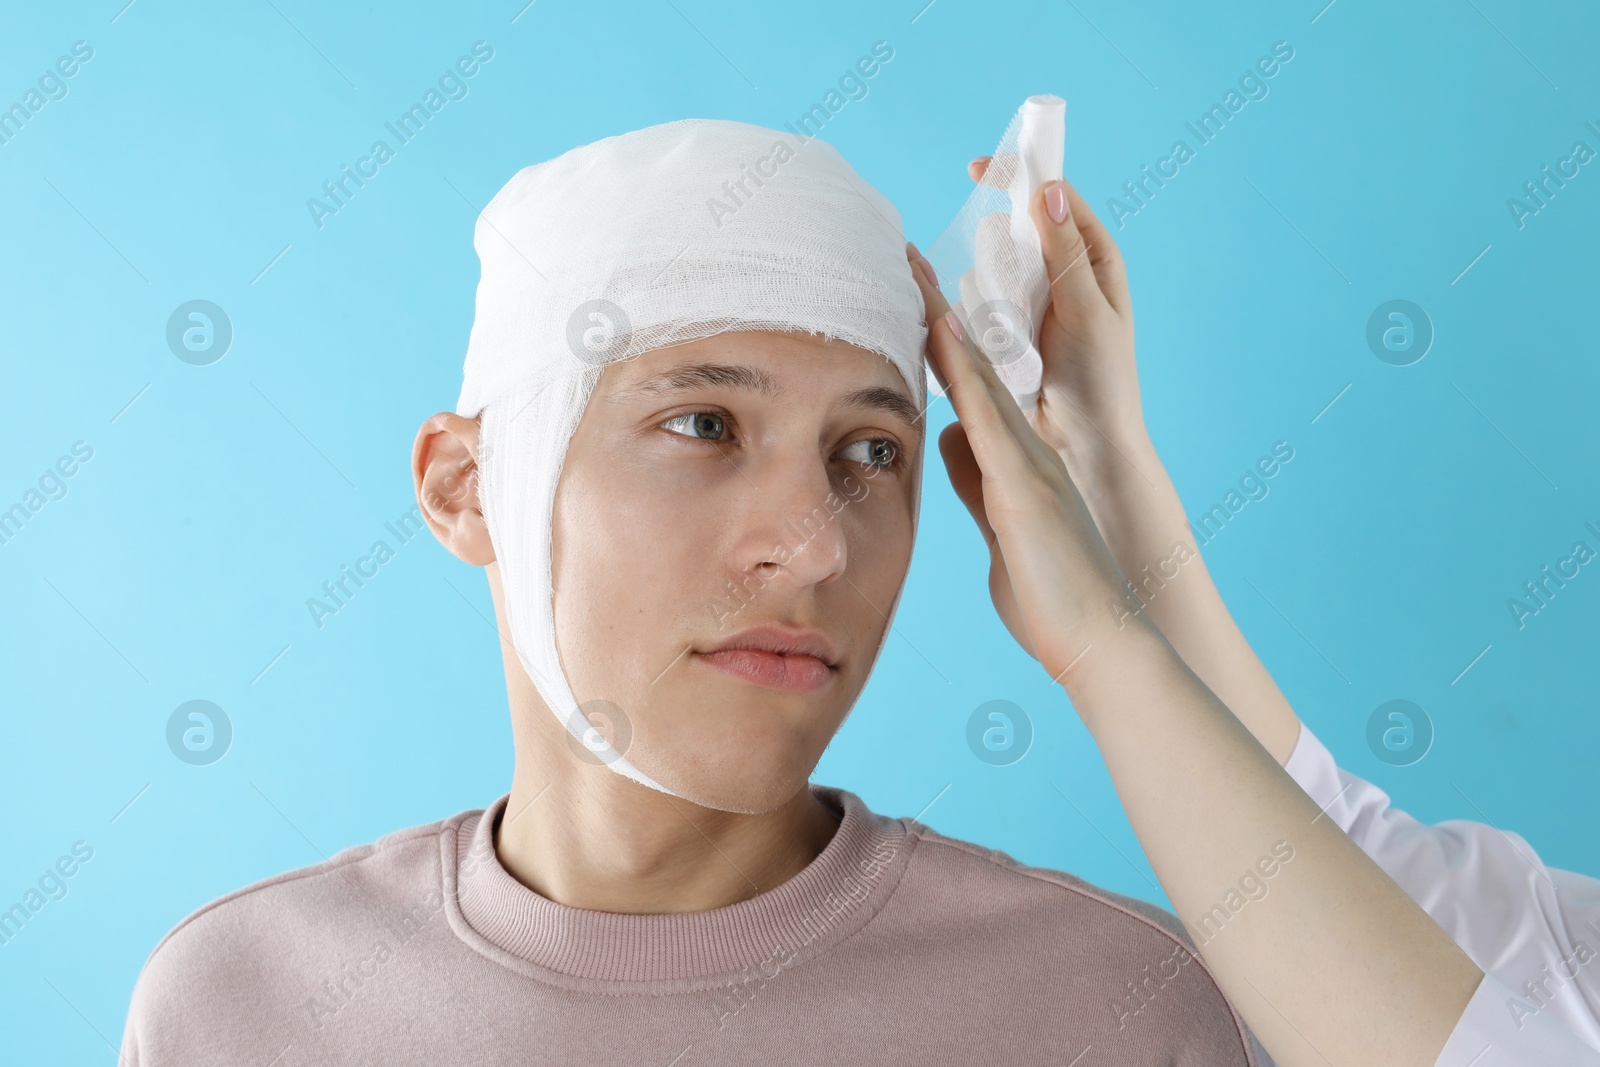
pixel 895 945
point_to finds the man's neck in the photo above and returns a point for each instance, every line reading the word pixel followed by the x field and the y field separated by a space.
pixel 593 839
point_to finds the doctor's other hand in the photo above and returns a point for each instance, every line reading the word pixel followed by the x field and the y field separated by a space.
pixel 1051 576
pixel 1089 408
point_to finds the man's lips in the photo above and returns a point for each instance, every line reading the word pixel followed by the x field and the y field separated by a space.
pixel 796 673
pixel 776 655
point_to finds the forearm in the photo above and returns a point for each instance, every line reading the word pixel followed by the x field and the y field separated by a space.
pixel 1331 963
pixel 1142 520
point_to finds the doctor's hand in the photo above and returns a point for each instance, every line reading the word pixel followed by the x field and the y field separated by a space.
pixel 1089 408
pixel 1052 578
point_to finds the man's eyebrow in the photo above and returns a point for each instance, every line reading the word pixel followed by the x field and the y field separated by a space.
pixel 890 401
pixel 705 376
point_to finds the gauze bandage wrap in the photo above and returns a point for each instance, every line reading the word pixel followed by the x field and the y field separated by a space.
pixel 990 251
pixel 637 242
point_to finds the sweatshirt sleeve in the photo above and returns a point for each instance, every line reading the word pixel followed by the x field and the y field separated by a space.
pixel 1534 929
pixel 129 1054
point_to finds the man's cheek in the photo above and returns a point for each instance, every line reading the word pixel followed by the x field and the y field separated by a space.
pixel 878 548
pixel 855 490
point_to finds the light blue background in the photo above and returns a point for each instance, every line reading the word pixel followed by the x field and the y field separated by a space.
pixel 178 565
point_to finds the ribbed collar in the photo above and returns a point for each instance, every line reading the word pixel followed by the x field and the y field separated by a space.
pixel 832 897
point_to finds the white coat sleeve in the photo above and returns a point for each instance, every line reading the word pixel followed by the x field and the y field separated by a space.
pixel 1534 929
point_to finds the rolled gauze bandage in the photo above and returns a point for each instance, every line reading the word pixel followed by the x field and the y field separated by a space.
pixel 634 243
pixel 990 251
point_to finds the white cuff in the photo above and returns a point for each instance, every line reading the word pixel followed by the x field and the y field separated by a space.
pixel 1501 1029
pixel 1313 767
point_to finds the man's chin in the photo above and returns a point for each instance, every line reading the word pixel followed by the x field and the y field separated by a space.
pixel 743 783
pixel 735 747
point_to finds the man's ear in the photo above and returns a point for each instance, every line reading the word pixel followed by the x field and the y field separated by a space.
pixel 444 466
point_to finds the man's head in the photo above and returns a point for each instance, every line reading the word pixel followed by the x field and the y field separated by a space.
pixel 601 271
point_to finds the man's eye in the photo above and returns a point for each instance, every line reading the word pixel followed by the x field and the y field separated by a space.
pixel 880 452
pixel 697 423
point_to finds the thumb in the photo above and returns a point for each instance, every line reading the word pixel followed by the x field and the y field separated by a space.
pixel 966 477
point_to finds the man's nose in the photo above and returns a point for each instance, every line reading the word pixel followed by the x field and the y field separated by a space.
pixel 793 530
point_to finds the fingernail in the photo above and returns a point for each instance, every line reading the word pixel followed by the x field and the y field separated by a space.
pixel 955 324
pixel 917 257
pixel 1055 201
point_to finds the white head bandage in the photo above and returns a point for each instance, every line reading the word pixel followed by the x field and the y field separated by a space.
pixel 677 232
